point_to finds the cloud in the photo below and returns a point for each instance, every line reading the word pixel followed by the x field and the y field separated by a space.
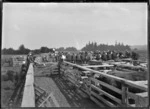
pixel 91 21
pixel 77 45
pixel 16 27
pixel 122 8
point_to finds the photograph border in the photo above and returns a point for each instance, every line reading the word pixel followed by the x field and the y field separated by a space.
pixel 148 37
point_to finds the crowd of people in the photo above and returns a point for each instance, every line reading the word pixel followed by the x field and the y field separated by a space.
pixel 86 56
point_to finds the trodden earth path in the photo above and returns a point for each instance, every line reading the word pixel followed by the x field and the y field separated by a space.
pixel 65 94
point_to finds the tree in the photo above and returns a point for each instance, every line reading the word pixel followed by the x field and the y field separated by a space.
pixel 44 50
pixel 104 47
pixel 71 49
pixel 10 51
pixel 21 49
pixel 60 49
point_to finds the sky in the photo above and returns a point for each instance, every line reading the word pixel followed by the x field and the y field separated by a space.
pixel 73 24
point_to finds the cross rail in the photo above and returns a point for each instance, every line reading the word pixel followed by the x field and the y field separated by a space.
pixel 98 66
pixel 127 82
pixel 91 84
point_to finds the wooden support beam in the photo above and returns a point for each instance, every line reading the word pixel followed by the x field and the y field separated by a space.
pixel 45 100
pixel 102 99
pixel 107 94
pixel 28 99
pixel 142 82
pixel 98 66
pixel 97 102
pixel 107 85
pixel 55 101
pixel 129 66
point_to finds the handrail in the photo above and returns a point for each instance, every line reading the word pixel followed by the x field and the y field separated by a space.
pixel 28 99
pixel 134 67
pixel 129 59
pixel 127 82
pixel 95 66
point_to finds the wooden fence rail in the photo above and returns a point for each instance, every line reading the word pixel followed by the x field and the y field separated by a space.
pixel 128 82
pixel 28 94
pixel 97 94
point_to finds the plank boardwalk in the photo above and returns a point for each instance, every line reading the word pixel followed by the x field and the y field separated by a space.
pixel 26 102
pixel 49 85
pixel 63 92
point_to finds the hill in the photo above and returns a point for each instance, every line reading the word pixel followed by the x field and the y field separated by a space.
pixel 139 47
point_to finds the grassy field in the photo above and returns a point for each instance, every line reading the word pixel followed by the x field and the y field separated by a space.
pixel 7 87
pixel 143 55
pixel 3 57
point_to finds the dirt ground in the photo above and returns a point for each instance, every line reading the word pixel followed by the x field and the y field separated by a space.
pixel 63 91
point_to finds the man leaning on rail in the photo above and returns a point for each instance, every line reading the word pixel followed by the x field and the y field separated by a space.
pixel 62 57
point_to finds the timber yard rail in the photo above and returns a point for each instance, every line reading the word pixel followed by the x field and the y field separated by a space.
pixel 139 98
pixel 29 89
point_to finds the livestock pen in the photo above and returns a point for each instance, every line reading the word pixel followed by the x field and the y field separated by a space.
pixel 94 88
pixel 140 99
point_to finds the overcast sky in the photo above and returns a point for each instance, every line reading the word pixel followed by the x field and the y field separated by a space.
pixel 64 25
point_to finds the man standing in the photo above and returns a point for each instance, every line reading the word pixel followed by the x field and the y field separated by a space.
pixel 61 58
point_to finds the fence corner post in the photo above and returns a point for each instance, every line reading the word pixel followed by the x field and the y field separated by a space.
pixel 124 94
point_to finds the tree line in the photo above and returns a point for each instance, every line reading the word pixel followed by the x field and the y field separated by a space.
pixel 23 50
pixel 91 46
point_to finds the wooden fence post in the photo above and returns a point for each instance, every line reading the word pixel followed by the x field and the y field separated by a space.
pixel 124 93
pixel 90 87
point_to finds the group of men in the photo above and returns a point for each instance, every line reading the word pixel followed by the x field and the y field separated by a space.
pixel 84 56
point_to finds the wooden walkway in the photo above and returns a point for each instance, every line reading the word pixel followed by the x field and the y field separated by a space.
pixel 28 94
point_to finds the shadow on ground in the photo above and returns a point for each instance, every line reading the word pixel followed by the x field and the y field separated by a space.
pixel 75 97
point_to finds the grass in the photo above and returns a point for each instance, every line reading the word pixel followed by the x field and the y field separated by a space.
pixel 5 95
pixel 9 56
pixel 143 55
pixel 5 69
pixel 7 87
